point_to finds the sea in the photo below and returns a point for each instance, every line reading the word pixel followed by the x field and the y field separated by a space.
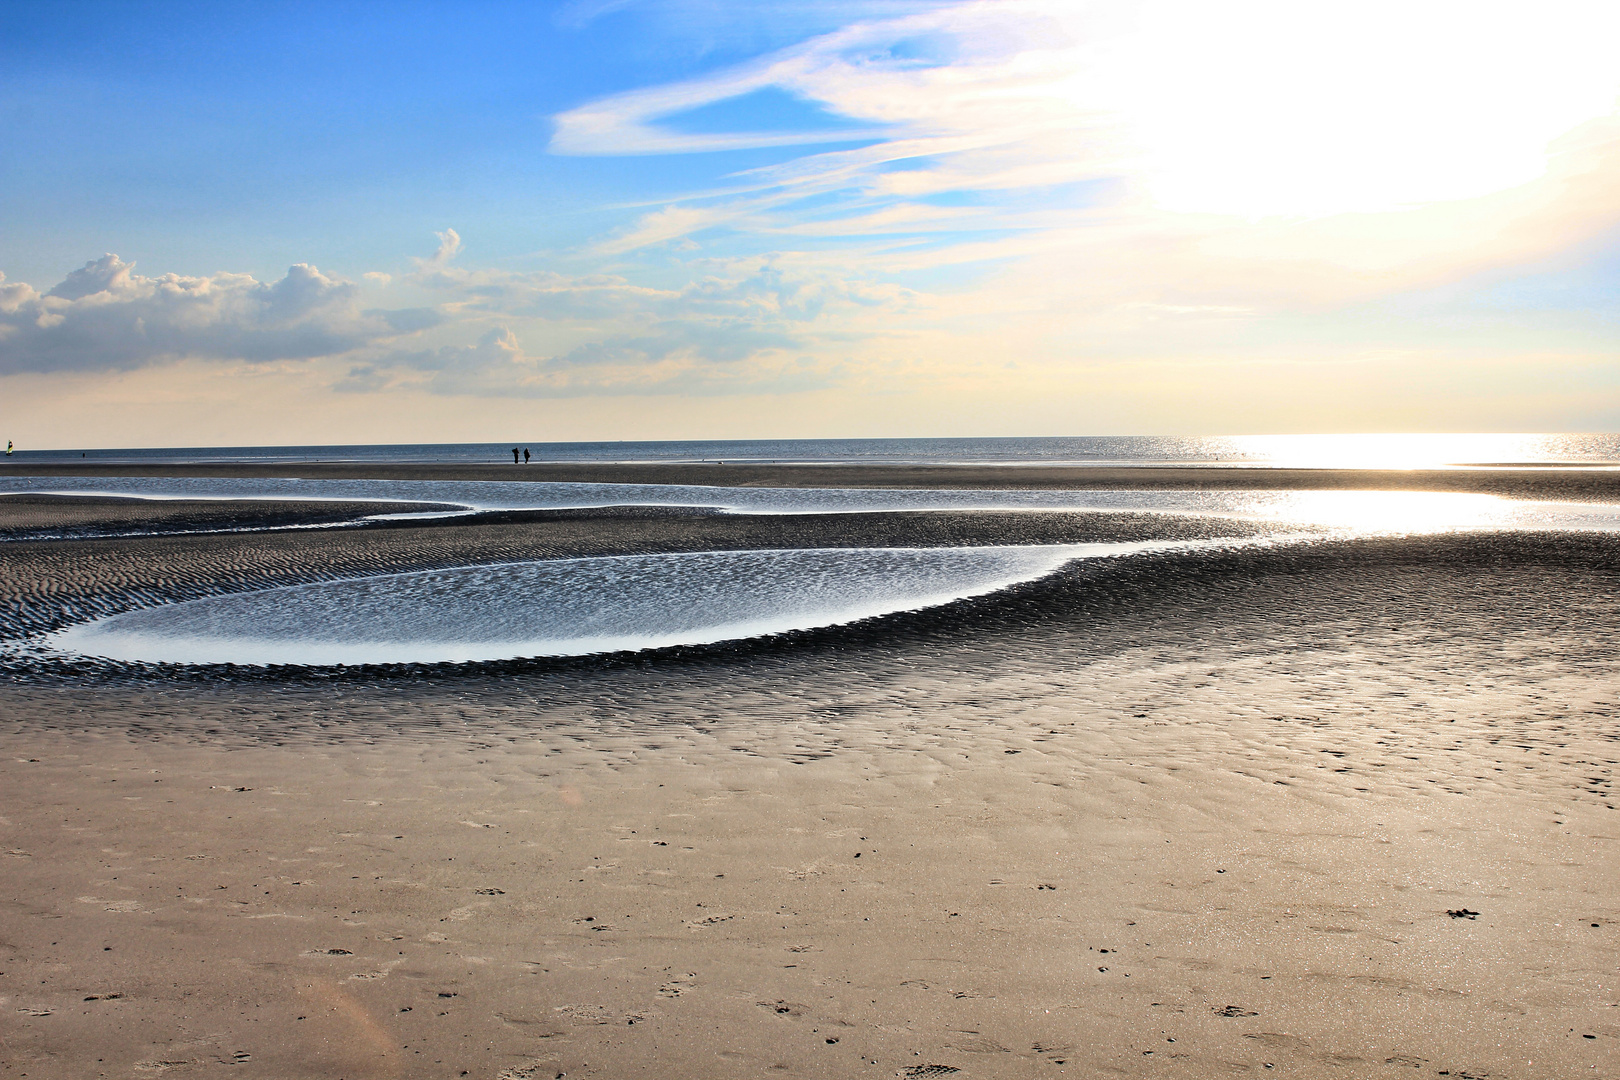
pixel 612 604
pixel 1348 451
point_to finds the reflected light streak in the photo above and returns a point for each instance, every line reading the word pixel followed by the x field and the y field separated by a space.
pixel 1346 514
pixel 1394 451
pixel 1387 512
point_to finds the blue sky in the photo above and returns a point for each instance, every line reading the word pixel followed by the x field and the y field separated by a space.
pixel 715 219
pixel 249 135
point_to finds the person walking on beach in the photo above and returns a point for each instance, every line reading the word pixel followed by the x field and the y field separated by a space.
pixel 525 455
pixel 514 455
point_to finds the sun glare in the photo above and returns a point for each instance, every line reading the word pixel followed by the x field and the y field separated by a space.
pixel 1292 109
pixel 1387 512
pixel 1398 451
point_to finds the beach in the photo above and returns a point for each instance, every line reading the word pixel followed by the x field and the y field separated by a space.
pixel 1331 809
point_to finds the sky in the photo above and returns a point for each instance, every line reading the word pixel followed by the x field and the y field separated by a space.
pixel 307 223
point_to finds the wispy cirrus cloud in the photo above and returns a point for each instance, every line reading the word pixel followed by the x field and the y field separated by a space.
pixel 670 223
pixel 1232 127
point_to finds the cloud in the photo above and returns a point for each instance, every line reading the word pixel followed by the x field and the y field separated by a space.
pixel 670 223
pixel 736 323
pixel 436 264
pixel 758 290
pixel 667 359
pixel 104 316
pixel 1260 132
pixel 577 14
pixel 736 326
pixel 407 320
pixel 627 123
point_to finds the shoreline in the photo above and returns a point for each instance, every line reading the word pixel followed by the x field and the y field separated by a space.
pixel 1571 484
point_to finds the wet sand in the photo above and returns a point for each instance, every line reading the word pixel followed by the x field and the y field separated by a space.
pixel 1188 816
pixel 53 517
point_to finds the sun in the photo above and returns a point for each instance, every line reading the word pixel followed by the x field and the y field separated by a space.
pixel 1288 109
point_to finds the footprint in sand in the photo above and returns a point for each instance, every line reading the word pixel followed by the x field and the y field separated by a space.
pixel 533 1071
pixel 594 1014
pixel 698 924
pixel 676 987
pixel 120 906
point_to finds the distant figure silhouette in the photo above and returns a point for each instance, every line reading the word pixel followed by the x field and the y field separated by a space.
pixel 525 455
pixel 8 446
pixel 514 455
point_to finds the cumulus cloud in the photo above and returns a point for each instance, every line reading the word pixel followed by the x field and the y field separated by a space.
pixel 436 268
pixel 104 316
pixel 449 246
pixel 734 324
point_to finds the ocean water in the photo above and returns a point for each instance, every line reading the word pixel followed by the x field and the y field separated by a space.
pixel 1344 512
pixel 564 607
pixel 1308 451
pixel 587 606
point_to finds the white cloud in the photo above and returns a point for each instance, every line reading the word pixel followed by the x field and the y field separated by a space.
pixel 672 358
pixel 670 223
pixel 736 327
pixel 1234 127
pixel 104 316
pixel 449 247
pixel 759 290
pixel 733 326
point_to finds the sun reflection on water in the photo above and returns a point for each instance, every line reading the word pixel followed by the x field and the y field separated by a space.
pixel 1398 451
pixel 1385 512
pixel 1406 513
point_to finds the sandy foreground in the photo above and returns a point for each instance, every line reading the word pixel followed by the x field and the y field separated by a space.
pixel 1193 816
